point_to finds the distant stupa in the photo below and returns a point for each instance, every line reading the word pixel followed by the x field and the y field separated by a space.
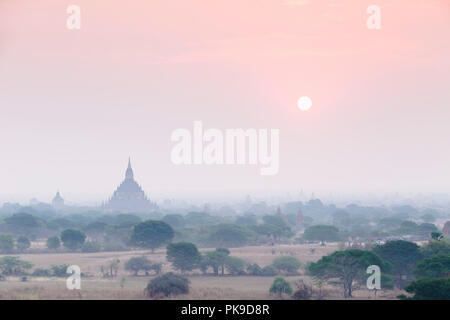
pixel 58 201
pixel 129 196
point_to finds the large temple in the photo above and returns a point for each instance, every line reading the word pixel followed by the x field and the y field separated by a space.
pixel 129 196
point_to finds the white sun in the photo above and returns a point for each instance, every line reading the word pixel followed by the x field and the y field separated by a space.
pixel 304 103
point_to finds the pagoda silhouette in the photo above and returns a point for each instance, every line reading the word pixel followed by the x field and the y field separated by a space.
pixel 129 196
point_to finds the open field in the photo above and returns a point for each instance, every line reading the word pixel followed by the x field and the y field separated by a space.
pixel 202 286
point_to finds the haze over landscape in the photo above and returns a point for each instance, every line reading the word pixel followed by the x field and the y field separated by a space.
pixel 75 104
pixel 224 150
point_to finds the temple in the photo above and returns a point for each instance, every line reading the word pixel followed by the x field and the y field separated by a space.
pixel 58 201
pixel 129 196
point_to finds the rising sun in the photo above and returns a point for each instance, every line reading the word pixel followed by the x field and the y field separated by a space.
pixel 304 103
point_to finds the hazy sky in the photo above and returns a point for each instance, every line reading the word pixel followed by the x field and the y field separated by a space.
pixel 76 103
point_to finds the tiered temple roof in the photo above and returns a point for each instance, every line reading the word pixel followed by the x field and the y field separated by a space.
pixel 129 196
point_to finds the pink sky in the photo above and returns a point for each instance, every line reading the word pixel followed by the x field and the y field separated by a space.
pixel 75 104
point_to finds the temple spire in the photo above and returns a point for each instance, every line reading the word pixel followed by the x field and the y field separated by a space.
pixel 129 173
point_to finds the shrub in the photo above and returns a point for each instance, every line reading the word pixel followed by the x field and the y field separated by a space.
pixel 268 271
pixel 41 273
pixel 13 266
pixel 254 269
pixel 91 246
pixel 280 286
pixel 23 243
pixel 438 266
pixel 157 267
pixel 429 289
pixel 137 264
pixel 303 291
pixel 53 243
pixel 288 264
pixel 167 284
pixel 234 265
pixel 6 243
pixel 59 270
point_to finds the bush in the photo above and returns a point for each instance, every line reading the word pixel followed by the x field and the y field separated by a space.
pixel 438 266
pixel 59 270
pixel 167 284
pixel 53 243
pixel 254 269
pixel 429 289
pixel 288 264
pixel 280 286
pixel 6 243
pixel 268 271
pixel 303 291
pixel 12 266
pixel 23 243
pixel 137 264
pixel 41 273
pixel 235 266
pixel 91 246
pixel 157 267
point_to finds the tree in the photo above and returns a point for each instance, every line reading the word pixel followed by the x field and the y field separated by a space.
pixel 246 220
pixel 216 260
pixel 275 220
pixel 174 220
pixel 349 266
pixel 438 266
pixel 53 243
pixel 287 264
pixel 167 284
pixel 268 271
pixel 22 220
pixel 228 235
pixel 157 267
pixel 59 270
pixel 151 234
pixel 402 255
pixel 435 247
pixel 234 265
pixel 322 233
pixel 428 217
pixel 41 273
pixel 303 291
pixel 13 266
pixel 23 243
pixel 6 243
pixel 280 286
pixel 438 236
pixel 111 268
pixel 426 228
pixel 137 264
pixel 254 269
pixel 72 239
pixel 184 256
pixel 95 230
pixel 429 289
pixel 199 218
